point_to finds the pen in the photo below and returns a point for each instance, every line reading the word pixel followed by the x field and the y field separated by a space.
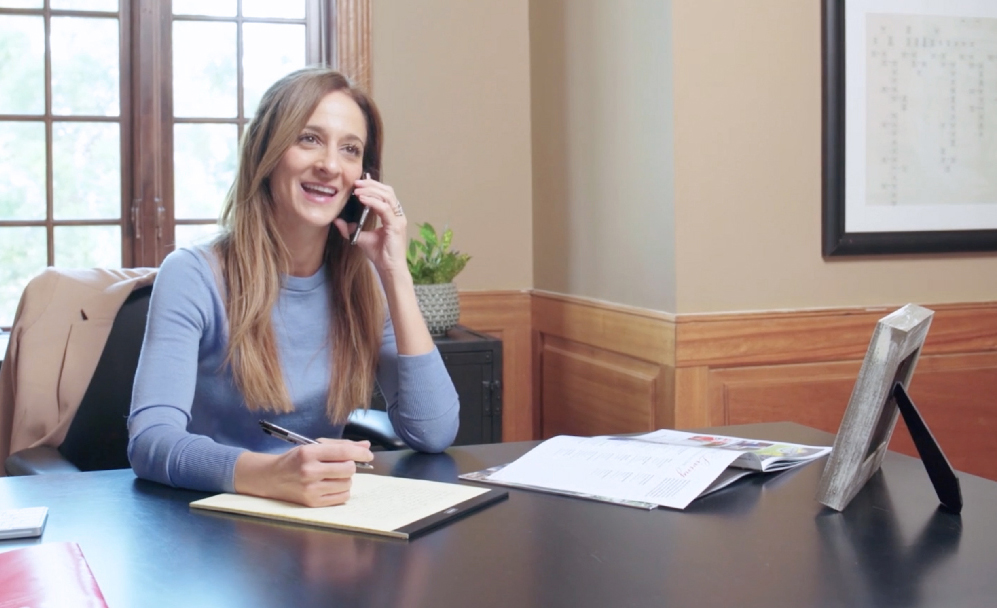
pixel 291 437
pixel 363 218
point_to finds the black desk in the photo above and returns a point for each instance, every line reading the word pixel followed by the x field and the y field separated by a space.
pixel 760 543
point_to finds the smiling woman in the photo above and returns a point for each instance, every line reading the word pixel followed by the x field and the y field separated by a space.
pixel 315 176
pixel 282 315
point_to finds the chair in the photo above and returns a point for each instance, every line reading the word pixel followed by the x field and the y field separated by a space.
pixel 97 438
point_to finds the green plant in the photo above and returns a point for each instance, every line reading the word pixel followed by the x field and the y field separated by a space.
pixel 430 260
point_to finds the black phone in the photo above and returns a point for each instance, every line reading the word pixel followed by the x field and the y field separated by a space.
pixel 352 210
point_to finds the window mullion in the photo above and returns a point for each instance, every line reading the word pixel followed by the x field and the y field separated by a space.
pixel 151 146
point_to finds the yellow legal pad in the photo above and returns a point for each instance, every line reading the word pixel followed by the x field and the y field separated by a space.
pixel 378 504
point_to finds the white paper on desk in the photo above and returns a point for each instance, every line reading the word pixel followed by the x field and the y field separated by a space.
pixel 667 475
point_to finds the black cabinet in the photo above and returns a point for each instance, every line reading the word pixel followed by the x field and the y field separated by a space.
pixel 474 361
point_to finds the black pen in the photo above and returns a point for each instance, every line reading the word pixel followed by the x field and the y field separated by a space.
pixel 291 437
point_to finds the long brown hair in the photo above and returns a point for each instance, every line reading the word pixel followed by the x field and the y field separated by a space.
pixel 253 257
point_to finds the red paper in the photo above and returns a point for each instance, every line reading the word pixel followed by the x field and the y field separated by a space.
pixel 46 576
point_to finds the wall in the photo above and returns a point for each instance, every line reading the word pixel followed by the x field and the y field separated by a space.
pixel 602 150
pixel 737 339
pixel 748 174
pixel 452 81
pixel 674 216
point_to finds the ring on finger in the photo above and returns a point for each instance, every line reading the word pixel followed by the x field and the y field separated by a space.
pixel 398 209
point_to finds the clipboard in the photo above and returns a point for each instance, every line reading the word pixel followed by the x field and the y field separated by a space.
pixel 396 507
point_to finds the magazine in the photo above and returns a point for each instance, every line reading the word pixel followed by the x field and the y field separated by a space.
pixel 647 471
pixel 765 456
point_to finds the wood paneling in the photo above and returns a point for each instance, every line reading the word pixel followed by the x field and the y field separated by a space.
pixel 506 315
pixel 594 391
pixel 585 367
pixel 601 368
pixel 801 366
pixel 824 335
pixel 636 332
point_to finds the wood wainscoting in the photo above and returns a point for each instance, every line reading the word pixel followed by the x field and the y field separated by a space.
pixel 601 368
pixel 506 315
pixel 801 365
pixel 578 366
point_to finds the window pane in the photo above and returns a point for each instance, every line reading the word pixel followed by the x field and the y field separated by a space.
pixel 269 52
pixel 86 5
pixel 204 166
pixel 22 256
pixel 286 9
pixel 198 234
pixel 21 3
pixel 87 246
pixel 22 171
pixel 204 75
pixel 84 66
pixel 22 65
pixel 215 8
pixel 86 170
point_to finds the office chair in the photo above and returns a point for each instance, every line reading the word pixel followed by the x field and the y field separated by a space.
pixel 97 438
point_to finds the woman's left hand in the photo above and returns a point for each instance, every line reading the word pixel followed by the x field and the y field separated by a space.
pixel 385 245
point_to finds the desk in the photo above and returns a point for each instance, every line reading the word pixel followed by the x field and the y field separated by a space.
pixel 764 542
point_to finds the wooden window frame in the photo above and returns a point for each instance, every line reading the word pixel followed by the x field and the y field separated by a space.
pixel 151 211
pixel 145 113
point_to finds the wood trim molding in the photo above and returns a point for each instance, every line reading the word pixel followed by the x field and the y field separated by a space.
pixel 622 329
pixel 785 337
pixel 352 35
pixel 506 315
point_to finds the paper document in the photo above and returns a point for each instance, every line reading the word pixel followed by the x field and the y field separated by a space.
pixel 754 454
pixel 378 504
pixel 665 475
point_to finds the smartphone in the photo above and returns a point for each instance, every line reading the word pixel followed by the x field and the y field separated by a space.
pixel 352 210
pixel 355 212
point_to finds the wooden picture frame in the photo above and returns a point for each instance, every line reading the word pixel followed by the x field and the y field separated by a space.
pixel 907 148
pixel 872 411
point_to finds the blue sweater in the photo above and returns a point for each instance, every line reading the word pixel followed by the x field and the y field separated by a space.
pixel 189 422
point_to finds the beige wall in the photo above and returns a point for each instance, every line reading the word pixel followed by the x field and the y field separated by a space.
pixel 716 209
pixel 452 81
pixel 748 174
pixel 602 150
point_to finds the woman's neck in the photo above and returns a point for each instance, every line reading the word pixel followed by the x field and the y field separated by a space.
pixel 307 252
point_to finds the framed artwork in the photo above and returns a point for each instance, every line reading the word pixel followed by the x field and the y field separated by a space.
pixel 909 126
pixel 872 412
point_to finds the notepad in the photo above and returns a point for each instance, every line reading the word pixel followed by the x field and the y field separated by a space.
pixel 28 522
pixel 378 504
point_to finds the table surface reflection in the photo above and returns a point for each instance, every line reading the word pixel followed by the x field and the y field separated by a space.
pixel 764 541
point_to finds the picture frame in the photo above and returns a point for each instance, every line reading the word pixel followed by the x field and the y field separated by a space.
pixel 907 157
pixel 872 412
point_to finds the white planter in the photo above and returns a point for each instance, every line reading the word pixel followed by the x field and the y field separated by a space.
pixel 439 305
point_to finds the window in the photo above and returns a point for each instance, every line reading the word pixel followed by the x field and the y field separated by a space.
pixel 120 121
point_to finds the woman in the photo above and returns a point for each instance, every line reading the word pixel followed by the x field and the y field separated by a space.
pixel 282 318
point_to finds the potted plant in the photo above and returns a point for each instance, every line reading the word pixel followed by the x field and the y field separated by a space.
pixel 433 266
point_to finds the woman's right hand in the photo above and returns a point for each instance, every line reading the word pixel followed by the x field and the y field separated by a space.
pixel 315 475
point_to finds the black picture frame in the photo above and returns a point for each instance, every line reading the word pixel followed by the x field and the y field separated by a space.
pixel 835 241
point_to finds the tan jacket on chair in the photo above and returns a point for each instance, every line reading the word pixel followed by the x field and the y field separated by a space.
pixel 60 328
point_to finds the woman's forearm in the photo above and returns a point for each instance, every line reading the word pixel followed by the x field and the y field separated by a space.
pixel 411 335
